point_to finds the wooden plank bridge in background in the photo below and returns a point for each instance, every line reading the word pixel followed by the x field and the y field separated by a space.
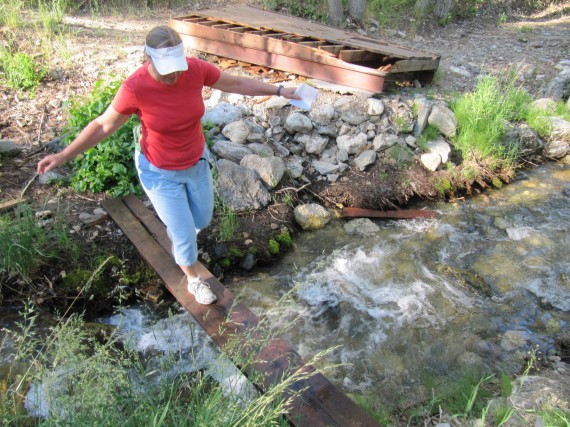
pixel 303 47
pixel 319 403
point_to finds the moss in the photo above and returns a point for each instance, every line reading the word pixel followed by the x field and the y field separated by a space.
pixel 234 253
pixel 225 262
pixel 273 247
pixel 497 183
pixel 284 239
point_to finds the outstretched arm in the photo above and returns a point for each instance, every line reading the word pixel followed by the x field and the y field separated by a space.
pixel 253 87
pixel 95 132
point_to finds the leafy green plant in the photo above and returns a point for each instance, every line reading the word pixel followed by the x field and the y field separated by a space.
pixel 20 70
pixel 483 118
pixel 107 167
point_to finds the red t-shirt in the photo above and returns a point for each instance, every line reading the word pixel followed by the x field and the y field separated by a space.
pixel 170 115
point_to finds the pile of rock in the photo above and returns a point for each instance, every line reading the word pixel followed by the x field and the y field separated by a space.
pixel 257 144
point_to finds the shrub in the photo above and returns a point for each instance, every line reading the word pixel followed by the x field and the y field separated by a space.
pixel 109 166
pixel 20 70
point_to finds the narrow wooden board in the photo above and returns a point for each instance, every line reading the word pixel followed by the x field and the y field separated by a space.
pixel 320 403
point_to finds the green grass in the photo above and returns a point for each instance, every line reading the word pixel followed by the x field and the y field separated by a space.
pixel 483 118
pixel 27 245
pixel 89 381
pixel 537 118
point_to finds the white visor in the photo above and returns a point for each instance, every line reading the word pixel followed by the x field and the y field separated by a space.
pixel 168 60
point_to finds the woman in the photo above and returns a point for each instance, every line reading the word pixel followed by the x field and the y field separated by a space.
pixel 172 157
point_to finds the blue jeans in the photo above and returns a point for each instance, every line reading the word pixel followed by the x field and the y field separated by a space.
pixel 183 200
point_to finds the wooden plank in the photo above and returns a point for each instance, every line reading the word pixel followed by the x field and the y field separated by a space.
pixel 320 402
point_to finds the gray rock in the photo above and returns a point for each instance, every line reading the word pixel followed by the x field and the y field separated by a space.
pixel 352 144
pixel 375 107
pixel 9 148
pixel 240 188
pixel 230 150
pixel 365 159
pixel 294 166
pixel 353 117
pixel 546 104
pixel 322 114
pixel 262 150
pixel 324 168
pixel 222 114
pixel 431 161
pixel 361 227
pixel 440 147
pixel 298 122
pixel 236 131
pixel 423 109
pixel 560 128
pixel 402 117
pixel 313 143
pixel 556 149
pixel 269 169
pixel 311 216
pixel 384 141
pixel 443 119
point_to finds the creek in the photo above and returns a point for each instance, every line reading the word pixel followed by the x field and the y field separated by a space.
pixel 481 286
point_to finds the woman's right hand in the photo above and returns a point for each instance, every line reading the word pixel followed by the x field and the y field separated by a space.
pixel 50 162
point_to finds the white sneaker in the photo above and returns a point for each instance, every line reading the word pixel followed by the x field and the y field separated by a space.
pixel 201 291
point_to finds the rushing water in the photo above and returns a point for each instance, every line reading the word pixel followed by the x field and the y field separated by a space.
pixel 480 286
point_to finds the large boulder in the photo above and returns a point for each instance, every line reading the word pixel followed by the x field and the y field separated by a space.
pixel 240 187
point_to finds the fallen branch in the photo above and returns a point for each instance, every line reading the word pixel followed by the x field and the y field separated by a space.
pixel 28 184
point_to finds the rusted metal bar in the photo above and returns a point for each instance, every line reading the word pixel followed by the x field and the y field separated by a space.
pixel 318 403
pixel 400 214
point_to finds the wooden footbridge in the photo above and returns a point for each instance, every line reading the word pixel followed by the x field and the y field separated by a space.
pixel 315 401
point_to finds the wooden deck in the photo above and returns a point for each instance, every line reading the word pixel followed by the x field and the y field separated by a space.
pixel 303 47
pixel 320 402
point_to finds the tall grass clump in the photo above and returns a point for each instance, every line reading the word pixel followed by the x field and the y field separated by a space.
pixel 483 118
pixel 71 378
pixel 26 244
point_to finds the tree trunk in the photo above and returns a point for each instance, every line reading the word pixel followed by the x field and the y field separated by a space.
pixel 442 8
pixel 356 9
pixel 336 12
